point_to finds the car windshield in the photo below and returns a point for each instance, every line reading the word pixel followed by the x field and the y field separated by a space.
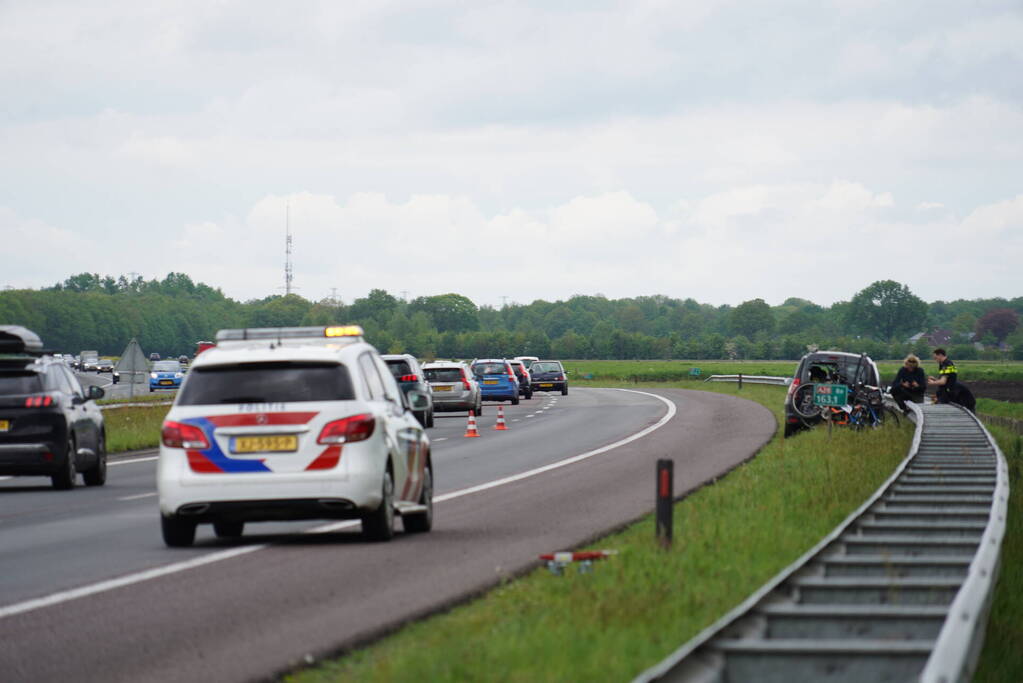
pixel 443 374
pixel 399 368
pixel 538 366
pixel 166 366
pixel 490 369
pixel 278 382
pixel 20 384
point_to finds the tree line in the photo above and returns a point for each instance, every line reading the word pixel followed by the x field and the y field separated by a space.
pixel 169 316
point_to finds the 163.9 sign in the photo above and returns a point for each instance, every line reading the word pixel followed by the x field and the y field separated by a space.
pixel 834 395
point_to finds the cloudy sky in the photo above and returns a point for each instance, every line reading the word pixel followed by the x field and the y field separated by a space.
pixel 715 149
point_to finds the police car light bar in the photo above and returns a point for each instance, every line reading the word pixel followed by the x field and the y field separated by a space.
pixel 281 333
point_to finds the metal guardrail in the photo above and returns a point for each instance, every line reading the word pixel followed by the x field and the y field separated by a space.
pixel 750 379
pixel 899 591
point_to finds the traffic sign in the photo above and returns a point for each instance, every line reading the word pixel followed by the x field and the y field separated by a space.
pixel 830 395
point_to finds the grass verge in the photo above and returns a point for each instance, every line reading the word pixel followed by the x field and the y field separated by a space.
pixel 989 406
pixel 1001 660
pixel 640 605
pixel 130 429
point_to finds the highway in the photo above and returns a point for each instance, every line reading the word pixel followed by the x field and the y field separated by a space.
pixel 89 592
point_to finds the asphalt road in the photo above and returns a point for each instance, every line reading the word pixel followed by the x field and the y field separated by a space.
pixel 246 609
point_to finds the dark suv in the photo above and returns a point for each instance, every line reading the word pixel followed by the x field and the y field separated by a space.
pixel 48 426
pixel 522 375
pixel 832 367
pixel 409 374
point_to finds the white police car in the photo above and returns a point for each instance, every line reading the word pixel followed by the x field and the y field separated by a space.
pixel 290 424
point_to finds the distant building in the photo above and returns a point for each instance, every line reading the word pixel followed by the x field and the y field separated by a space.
pixel 936 337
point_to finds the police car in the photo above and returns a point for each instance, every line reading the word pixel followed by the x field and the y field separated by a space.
pixel 290 424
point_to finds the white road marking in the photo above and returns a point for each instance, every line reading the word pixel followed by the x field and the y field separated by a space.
pixel 157 572
pixel 141 495
pixel 132 461
pixel 443 438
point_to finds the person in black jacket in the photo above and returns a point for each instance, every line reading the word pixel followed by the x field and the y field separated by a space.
pixel 910 383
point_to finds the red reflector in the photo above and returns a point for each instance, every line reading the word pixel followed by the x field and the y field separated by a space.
pixel 179 435
pixel 347 430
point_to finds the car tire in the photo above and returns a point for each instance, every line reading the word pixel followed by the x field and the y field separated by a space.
pixel 228 529
pixel 429 419
pixel 515 400
pixel 564 390
pixel 479 408
pixel 97 475
pixel 150 389
pixel 177 532
pixel 529 394
pixel 421 522
pixel 378 525
pixel 64 480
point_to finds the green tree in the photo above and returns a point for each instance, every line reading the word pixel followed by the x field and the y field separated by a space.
pixel 449 312
pixel 998 322
pixel 886 309
pixel 751 317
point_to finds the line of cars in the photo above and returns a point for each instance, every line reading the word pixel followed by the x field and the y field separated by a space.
pixel 454 385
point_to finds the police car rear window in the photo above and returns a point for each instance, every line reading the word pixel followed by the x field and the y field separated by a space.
pixel 278 382
pixel 443 374
pixel 19 384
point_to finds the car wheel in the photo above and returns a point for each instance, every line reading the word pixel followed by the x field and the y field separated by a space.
pixel 150 389
pixel 529 395
pixel 479 408
pixel 65 479
pixel 97 476
pixel 378 525
pixel 421 522
pixel 228 529
pixel 564 390
pixel 429 419
pixel 177 532
pixel 515 400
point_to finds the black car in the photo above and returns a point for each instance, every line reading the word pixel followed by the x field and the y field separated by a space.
pixel 49 426
pixel 409 374
pixel 522 375
pixel 549 375
pixel 824 367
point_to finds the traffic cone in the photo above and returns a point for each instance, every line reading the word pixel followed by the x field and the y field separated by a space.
pixel 470 429
pixel 500 419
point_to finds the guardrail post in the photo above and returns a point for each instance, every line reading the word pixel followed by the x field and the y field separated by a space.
pixel 740 381
pixel 665 486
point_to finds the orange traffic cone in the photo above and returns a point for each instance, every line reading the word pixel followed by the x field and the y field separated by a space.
pixel 500 419
pixel 470 429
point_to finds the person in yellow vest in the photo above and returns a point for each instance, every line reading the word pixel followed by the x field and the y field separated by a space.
pixel 950 389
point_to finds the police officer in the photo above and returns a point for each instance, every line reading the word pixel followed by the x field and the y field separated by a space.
pixel 950 390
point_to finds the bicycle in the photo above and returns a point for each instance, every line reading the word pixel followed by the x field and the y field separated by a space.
pixel 865 408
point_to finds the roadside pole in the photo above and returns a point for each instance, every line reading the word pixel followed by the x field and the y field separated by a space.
pixel 665 486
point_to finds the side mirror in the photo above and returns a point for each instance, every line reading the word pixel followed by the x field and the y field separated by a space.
pixel 418 400
pixel 94 393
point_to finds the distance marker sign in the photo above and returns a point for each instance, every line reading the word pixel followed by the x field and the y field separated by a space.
pixel 830 395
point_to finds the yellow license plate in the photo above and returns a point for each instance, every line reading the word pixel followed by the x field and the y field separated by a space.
pixel 5 425
pixel 442 388
pixel 264 444
pixel 546 384
pixel 491 381
pixel 167 382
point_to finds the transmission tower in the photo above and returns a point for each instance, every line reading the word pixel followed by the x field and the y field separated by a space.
pixel 287 249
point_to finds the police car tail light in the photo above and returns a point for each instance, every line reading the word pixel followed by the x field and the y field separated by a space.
pixel 409 378
pixel 178 435
pixel 38 401
pixel 348 430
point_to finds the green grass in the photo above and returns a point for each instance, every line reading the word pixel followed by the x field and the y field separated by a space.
pixel 130 429
pixel 144 397
pixel 989 406
pixel 1001 660
pixel 678 370
pixel 643 603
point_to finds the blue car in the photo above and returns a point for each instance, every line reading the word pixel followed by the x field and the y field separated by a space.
pixel 165 374
pixel 497 380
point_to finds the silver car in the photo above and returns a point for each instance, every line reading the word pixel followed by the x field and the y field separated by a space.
pixel 454 387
